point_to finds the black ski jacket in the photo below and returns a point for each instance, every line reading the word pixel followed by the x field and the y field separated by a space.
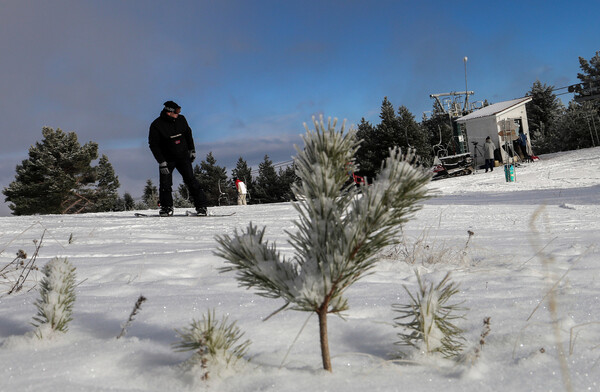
pixel 170 139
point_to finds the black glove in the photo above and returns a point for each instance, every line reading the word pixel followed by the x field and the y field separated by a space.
pixel 192 155
pixel 164 169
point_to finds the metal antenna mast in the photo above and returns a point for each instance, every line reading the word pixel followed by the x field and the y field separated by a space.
pixel 466 89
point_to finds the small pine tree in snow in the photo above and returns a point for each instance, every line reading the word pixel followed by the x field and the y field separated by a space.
pixel 430 319
pixel 57 297
pixel 339 232
pixel 212 342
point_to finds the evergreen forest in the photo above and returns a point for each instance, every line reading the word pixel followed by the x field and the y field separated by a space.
pixel 61 176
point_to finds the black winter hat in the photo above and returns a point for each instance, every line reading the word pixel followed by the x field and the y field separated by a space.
pixel 171 106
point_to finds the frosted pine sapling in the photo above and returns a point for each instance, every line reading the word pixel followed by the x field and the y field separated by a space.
pixel 340 228
pixel 430 319
pixel 57 297
pixel 211 340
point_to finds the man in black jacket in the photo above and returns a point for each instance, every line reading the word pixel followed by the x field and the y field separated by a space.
pixel 172 145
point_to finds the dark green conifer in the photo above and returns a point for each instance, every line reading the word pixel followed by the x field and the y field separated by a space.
pixel 105 195
pixel 265 187
pixel 209 174
pixel 55 178
pixel 150 196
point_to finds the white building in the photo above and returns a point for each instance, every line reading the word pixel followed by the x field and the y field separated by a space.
pixel 486 122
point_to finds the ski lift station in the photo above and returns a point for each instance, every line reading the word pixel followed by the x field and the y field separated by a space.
pixel 490 120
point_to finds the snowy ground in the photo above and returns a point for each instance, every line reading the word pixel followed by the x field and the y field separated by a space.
pixel 505 271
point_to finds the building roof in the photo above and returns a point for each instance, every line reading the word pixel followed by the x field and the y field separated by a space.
pixel 494 109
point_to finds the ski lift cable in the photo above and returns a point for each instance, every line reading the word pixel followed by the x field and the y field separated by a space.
pixel 277 165
pixel 562 88
pixel 563 93
pixel 285 163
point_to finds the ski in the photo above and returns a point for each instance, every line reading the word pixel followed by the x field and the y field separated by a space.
pixel 187 213
pixel 193 213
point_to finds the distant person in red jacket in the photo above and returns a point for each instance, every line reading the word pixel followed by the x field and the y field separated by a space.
pixel 242 191
pixel 172 145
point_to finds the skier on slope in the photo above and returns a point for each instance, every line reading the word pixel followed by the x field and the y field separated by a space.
pixel 172 145
pixel 242 191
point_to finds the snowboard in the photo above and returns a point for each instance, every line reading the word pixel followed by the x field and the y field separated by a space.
pixel 187 213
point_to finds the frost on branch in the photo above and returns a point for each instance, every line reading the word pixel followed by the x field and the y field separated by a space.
pixel 214 343
pixel 340 228
pixel 57 297
pixel 429 317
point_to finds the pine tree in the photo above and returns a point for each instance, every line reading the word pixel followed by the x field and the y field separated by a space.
pixel 377 140
pixel 389 133
pixel 128 202
pixel 542 113
pixel 286 178
pixel 209 175
pixel 389 122
pixel 106 196
pixel 366 162
pixel 339 234
pixel 590 78
pixel 266 185
pixel 573 130
pixel 243 172
pixel 415 135
pixel 56 177
pixel 150 196
pixel 394 130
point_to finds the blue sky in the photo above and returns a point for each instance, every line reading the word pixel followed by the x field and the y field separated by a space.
pixel 249 73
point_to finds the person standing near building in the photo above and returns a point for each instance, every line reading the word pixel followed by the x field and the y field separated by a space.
pixel 523 145
pixel 488 154
pixel 242 191
pixel 171 142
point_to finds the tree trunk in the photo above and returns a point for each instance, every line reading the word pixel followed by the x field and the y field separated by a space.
pixel 322 313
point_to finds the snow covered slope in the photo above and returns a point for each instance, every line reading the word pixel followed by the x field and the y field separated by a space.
pixel 527 237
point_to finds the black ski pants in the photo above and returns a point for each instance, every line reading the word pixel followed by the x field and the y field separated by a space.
pixel 165 190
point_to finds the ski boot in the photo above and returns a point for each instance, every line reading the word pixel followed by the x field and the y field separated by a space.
pixel 165 211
